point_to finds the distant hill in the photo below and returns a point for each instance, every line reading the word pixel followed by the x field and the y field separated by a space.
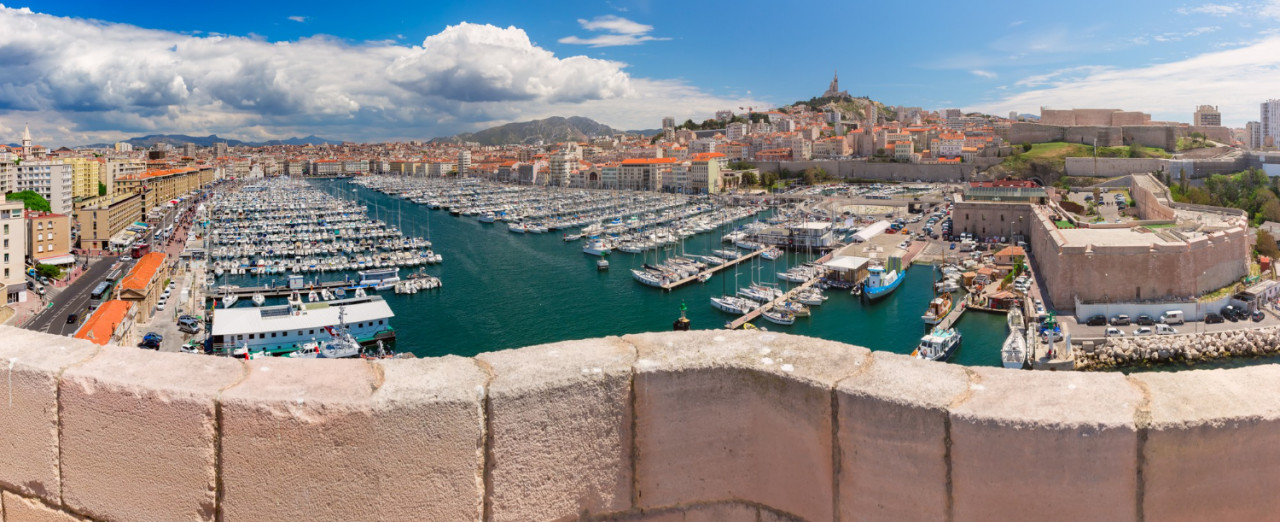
pixel 178 140
pixel 549 130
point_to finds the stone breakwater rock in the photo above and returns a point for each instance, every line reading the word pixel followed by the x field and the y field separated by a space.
pixel 1125 351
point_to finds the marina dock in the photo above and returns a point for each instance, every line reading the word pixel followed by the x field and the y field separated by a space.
pixel 712 270
pixel 952 316
pixel 220 292
pixel 752 315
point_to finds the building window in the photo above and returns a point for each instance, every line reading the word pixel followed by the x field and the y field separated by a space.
pixel 313 332
pixel 273 335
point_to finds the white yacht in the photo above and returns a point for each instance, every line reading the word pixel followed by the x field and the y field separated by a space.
pixel 379 278
pixel 596 247
pixel 938 345
pixel 734 305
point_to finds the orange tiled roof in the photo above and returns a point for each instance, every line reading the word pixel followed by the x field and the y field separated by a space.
pixel 707 156
pixel 103 322
pixel 143 271
pixel 648 161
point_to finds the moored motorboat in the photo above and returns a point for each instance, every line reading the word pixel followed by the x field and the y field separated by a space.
pixel 938 345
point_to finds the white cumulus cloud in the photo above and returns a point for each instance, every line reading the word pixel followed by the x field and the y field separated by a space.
pixel 1236 80
pixel 982 74
pixel 98 81
pixel 298 19
pixel 1211 9
pixel 618 31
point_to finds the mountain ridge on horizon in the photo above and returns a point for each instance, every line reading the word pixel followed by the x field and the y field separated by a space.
pixel 178 140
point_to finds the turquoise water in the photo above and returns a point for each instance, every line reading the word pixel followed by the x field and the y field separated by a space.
pixel 504 290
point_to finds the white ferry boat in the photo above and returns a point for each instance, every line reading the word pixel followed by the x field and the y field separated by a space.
pixel 284 328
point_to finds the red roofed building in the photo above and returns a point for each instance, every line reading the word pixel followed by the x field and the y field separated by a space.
pixel 144 283
pixel 111 323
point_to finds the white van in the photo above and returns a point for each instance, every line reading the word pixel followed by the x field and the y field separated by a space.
pixel 1172 317
pixel 1164 329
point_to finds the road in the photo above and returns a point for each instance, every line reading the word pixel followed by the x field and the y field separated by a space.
pixel 72 299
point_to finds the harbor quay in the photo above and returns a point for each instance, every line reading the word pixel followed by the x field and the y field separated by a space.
pixel 715 424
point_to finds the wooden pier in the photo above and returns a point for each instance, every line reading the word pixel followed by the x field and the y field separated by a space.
pixel 752 315
pixel 954 315
pixel 712 270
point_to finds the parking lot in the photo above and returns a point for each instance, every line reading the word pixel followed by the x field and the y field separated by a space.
pixel 1112 203
pixel 1084 331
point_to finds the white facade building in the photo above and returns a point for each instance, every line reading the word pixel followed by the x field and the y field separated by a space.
pixel 52 180
pixel 13 248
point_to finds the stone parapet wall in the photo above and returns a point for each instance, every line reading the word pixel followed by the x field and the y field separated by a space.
pixel 704 425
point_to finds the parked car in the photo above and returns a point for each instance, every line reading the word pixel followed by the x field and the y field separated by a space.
pixel 1142 330
pixel 1258 316
pixel 1164 329
pixel 1052 336
pixel 1097 320
pixel 71 318
pixel 1172 317
pixel 1114 332
pixel 1120 320
pixel 1230 313
pixel 1145 320
pixel 1212 318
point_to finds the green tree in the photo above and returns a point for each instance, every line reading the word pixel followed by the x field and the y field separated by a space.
pixel 1267 245
pixel 1270 210
pixel 49 271
pixel 30 200
pixel 102 189
pixel 768 179
pixel 749 178
pixel 689 124
pixel 1026 147
pixel 1135 150
pixel 1182 179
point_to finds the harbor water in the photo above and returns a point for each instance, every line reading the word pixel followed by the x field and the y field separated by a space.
pixel 504 290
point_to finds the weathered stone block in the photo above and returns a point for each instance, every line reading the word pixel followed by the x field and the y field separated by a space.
pixel 1045 445
pixel 351 440
pixel 32 363
pixel 19 509
pixel 139 432
pixel 738 416
pixel 560 429
pixel 1213 445
pixel 892 437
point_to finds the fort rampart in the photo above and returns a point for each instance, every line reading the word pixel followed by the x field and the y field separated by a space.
pixel 708 425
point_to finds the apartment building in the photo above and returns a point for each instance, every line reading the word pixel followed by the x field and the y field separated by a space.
pixel 48 238
pixel 1270 121
pixel 704 173
pixel 51 179
pixel 12 251
pixel 160 186
pixel 86 173
pixel 644 173
pixel 103 217
pixel 1207 116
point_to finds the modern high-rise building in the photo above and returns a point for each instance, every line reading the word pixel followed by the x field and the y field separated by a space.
pixel 1253 135
pixel 1207 116
pixel 464 162
pixel 219 149
pixel 1270 120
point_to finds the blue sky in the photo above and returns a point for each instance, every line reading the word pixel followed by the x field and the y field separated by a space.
pixel 89 70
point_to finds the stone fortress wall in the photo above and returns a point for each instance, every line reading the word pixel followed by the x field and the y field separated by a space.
pixel 710 425
pixel 1097 272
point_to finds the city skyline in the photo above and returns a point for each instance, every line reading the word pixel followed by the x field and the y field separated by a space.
pixel 82 72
